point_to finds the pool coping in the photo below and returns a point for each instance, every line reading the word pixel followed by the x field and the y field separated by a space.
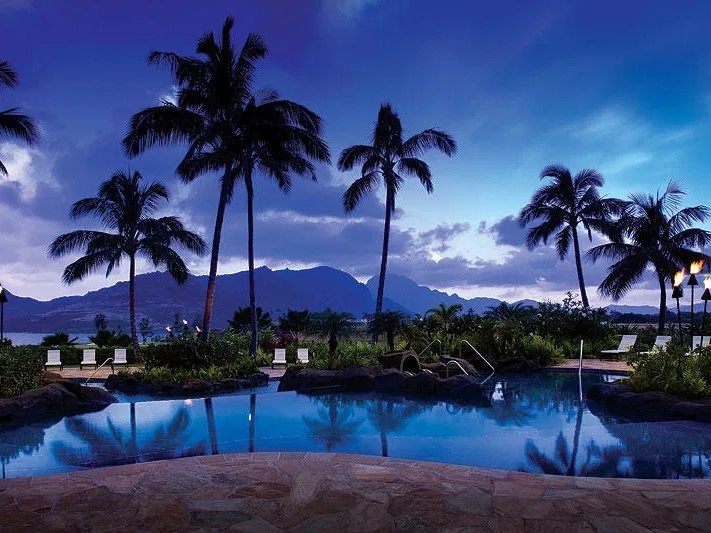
pixel 330 491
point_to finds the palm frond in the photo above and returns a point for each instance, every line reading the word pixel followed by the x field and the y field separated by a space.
pixel 429 139
pixel 18 126
pixel 359 189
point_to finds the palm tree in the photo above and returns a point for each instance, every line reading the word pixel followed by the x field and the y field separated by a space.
pixel 445 314
pixel 126 206
pixel 391 159
pixel 652 232
pixel 562 206
pixel 332 325
pixel 242 319
pixel 391 323
pixel 334 426
pixel 229 129
pixel 12 123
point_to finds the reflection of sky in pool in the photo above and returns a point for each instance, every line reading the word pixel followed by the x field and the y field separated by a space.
pixel 534 424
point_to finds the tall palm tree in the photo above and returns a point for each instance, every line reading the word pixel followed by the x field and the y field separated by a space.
pixel 14 124
pixel 652 232
pixel 126 206
pixel 563 205
pixel 390 159
pixel 445 314
pixel 229 129
pixel 333 325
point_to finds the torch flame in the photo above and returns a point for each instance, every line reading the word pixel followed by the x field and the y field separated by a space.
pixel 696 266
pixel 679 277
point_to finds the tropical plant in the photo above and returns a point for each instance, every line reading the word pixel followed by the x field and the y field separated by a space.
pixel 100 322
pixel 391 323
pixel 652 231
pixel 106 337
pixel 562 206
pixel 229 129
pixel 126 206
pixel 145 326
pixel 295 324
pixel 12 123
pixel 390 159
pixel 59 338
pixel 445 315
pixel 242 319
pixel 333 325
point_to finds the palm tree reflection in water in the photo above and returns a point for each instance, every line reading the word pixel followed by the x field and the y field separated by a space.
pixel 112 447
pixel 334 425
pixel 389 415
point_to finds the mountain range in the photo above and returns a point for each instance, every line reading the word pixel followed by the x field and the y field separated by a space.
pixel 160 299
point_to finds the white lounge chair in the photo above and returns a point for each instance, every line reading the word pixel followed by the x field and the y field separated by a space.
pixel 660 343
pixel 626 344
pixel 88 359
pixel 54 359
pixel 697 341
pixel 302 354
pixel 279 357
pixel 119 358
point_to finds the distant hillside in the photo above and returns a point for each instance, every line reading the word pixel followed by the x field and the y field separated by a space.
pixel 159 298
pixel 418 298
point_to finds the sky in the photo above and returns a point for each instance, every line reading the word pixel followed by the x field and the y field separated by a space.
pixel 622 87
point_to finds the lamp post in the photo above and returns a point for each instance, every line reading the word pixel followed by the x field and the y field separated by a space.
pixel 3 299
pixel 706 296
pixel 694 268
pixel 678 293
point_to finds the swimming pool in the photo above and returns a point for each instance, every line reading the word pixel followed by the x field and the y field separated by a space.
pixel 534 423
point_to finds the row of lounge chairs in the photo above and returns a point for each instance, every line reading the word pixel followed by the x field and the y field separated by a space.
pixel 54 358
pixel 628 342
pixel 302 354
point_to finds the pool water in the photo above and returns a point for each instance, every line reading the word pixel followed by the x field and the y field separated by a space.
pixel 535 424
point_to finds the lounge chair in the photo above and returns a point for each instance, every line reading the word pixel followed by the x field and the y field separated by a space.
pixel 279 357
pixel 54 359
pixel 697 341
pixel 88 359
pixel 625 345
pixel 660 343
pixel 119 358
pixel 302 354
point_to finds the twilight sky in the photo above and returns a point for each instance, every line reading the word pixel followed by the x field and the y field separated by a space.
pixel 624 87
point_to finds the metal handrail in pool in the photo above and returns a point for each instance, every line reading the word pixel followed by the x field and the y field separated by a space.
pixel 456 363
pixel 465 341
pixel 430 344
pixel 100 366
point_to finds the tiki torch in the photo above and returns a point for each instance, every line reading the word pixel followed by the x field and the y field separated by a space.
pixel 694 268
pixel 706 296
pixel 678 293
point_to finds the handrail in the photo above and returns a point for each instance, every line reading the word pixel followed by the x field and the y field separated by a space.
pixel 456 363
pixel 463 341
pixel 430 344
pixel 100 366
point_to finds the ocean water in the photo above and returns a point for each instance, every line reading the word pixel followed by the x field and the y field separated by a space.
pixel 19 338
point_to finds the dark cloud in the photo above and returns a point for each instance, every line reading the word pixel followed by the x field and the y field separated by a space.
pixel 505 231
pixel 438 238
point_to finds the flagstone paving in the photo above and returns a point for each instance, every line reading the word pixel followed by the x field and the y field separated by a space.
pixel 103 373
pixel 620 367
pixel 340 492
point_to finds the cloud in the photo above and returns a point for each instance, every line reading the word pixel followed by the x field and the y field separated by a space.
pixel 11 5
pixel 438 238
pixel 506 231
pixel 27 171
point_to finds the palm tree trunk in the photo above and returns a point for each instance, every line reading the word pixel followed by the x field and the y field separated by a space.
pixel 384 260
pixel 576 441
pixel 132 305
pixel 662 304
pixel 579 267
pixel 252 420
pixel 212 276
pixel 211 428
pixel 250 259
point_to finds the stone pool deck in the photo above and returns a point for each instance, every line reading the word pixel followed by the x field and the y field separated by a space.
pixel 74 372
pixel 339 492
pixel 619 367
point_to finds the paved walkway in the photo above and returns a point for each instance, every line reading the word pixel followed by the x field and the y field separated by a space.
pixel 339 492
pixel 596 364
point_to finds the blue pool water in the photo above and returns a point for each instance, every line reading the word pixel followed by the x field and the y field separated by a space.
pixel 534 424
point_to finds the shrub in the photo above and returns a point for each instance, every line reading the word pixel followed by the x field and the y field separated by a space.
pixel 671 371
pixel 189 353
pixel 161 375
pixel 20 369
pixel 541 349
pixel 354 354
